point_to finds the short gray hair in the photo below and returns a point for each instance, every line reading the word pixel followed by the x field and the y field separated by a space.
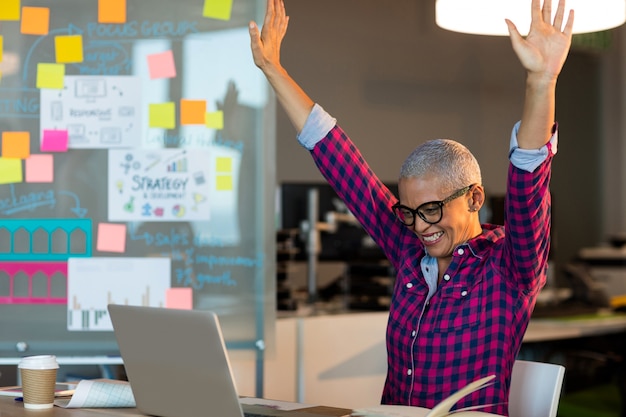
pixel 445 159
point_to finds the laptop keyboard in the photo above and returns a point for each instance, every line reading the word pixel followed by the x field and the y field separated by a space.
pixel 250 410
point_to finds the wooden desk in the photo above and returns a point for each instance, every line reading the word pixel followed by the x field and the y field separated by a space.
pixel 549 329
pixel 11 408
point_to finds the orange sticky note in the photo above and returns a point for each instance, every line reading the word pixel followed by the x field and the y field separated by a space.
pixel 111 237
pixel 192 112
pixel 218 9
pixel 214 120
pixel 10 170
pixel 224 182
pixel 162 65
pixel 162 115
pixel 15 145
pixel 50 75
pixel 68 48
pixel 10 10
pixel 181 298
pixel 40 168
pixel 111 11
pixel 35 20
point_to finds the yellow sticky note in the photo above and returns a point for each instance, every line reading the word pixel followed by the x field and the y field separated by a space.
pixel 192 112
pixel 50 75
pixel 10 170
pixel 15 145
pixel 10 10
pixel 111 11
pixel 224 182
pixel 163 115
pixel 214 120
pixel 1 47
pixel 35 20
pixel 40 168
pixel 68 48
pixel 223 164
pixel 218 9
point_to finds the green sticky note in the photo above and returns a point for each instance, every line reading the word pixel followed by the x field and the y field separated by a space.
pixel 10 170
pixel 50 75
pixel 163 115
pixel 214 120
pixel 218 9
pixel 68 48
pixel 10 9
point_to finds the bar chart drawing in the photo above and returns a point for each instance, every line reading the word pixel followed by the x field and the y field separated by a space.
pixel 93 283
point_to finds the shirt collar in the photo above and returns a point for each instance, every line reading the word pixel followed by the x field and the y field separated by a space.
pixel 481 243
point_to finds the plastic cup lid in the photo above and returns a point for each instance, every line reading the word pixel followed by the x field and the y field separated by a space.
pixel 39 362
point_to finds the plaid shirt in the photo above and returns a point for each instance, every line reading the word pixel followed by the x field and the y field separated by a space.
pixel 474 323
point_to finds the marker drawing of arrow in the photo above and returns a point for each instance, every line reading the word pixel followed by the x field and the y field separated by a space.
pixel 77 210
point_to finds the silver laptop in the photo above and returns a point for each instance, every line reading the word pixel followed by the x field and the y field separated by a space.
pixel 177 364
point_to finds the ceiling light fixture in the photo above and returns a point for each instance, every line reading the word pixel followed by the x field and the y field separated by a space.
pixel 486 17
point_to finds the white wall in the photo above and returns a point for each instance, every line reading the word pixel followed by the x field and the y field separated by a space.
pixel 393 80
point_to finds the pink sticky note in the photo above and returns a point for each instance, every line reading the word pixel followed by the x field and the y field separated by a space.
pixel 54 141
pixel 181 298
pixel 40 168
pixel 111 237
pixel 162 65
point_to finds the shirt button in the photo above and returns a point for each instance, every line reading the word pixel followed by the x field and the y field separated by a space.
pixel 463 293
pixel 413 333
pixel 409 372
pixel 446 277
pixel 409 285
pixel 460 251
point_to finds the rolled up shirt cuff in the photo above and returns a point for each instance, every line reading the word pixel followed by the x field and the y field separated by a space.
pixel 316 127
pixel 530 159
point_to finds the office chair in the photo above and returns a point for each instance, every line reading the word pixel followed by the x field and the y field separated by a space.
pixel 535 389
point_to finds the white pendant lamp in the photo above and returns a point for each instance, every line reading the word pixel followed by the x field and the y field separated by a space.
pixel 486 17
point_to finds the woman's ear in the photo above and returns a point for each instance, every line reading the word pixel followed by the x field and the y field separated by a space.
pixel 477 197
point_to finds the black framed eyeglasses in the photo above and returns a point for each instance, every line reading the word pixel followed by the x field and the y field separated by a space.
pixel 430 212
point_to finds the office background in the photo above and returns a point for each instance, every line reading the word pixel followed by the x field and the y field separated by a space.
pixel 393 79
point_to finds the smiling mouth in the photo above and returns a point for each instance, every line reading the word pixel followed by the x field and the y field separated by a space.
pixel 432 238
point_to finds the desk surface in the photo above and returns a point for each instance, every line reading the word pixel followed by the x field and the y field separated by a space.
pixel 11 408
pixel 547 329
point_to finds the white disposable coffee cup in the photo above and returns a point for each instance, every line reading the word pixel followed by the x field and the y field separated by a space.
pixel 39 375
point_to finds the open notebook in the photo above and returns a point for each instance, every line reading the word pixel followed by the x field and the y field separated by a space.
pixel 177 364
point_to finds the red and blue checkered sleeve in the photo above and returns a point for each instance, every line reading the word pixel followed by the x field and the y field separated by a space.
pixel 345 169
pixel 527 225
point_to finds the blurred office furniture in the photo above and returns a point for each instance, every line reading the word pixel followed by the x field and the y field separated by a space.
pixel 592 347
pixel 328 232
pixel 369 285
pixel 606 266
pixel 598 384
pixel 286 251
pixel 535 389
